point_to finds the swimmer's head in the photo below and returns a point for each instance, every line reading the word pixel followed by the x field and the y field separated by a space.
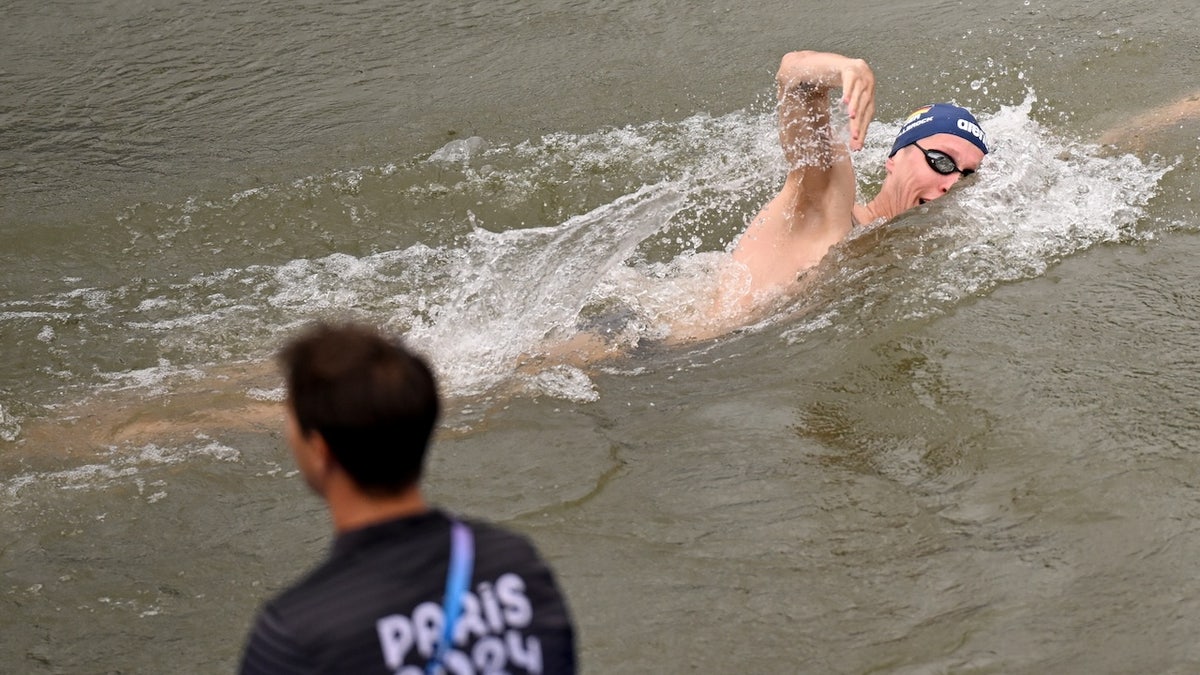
pixel 940 118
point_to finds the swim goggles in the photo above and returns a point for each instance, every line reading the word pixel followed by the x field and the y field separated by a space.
pixel 941 162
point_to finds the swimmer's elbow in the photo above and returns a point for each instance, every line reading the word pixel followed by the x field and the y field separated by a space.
pixel 796 71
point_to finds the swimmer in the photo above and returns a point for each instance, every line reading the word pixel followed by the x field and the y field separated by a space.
pixel 816 208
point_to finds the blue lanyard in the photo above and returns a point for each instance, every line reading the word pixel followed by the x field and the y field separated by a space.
pixel 462 557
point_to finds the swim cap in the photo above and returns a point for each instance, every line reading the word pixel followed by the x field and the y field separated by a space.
pixel 940 118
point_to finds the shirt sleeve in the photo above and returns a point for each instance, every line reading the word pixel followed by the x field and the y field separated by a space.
pixel 271 649
pixel 558 652
pixel 556 630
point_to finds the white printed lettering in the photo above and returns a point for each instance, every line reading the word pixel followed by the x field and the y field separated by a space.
pixel 396 638
pixel 489 655
pixel 491 608
pixel 528 655
pixel 427 623
pixel 510 589
pixel 489 625
pixel 972 129
pixel 469 622
pixel 459 663
pixel 914 124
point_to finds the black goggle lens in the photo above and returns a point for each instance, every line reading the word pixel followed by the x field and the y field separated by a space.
pixel 941 162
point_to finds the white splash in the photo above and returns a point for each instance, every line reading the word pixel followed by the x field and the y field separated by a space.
pixel 10 426
pixel 120 466
pixel 477 292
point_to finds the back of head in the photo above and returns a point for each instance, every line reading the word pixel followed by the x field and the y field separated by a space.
pixel 940 118
pixel 374 402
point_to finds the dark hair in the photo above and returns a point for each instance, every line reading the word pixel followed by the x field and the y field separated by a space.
pixel 374 402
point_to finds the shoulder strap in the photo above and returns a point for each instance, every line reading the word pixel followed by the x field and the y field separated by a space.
pixel 462 559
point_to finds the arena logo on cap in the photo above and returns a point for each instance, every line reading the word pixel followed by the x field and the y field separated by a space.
pixel 971 128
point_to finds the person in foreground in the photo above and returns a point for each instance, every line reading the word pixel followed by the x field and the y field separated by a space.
pixel 406 588
pixel 816 208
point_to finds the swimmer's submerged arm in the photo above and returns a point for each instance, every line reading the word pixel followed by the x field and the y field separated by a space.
pixel 1133 133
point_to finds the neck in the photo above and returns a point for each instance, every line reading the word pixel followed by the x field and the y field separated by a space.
pixel 894 198
pixel 882 207
pixel 351 509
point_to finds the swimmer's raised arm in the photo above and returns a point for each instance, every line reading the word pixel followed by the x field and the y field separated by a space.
pixel 804 81
pixel 814 208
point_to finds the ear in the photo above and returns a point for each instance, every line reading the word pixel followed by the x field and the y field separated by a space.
pixel 890 164
pixel 322 457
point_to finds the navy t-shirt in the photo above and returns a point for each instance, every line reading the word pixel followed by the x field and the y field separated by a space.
pixel 375 606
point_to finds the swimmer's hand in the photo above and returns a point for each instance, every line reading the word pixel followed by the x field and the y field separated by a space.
pixel 806 77
pixel 858 95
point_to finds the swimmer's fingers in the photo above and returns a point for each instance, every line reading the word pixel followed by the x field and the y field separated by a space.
pixel 858 95
pixel 865 116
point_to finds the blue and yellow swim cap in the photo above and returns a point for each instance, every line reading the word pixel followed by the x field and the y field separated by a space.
pixel 940 118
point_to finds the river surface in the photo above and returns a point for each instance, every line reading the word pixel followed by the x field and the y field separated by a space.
pixel 971 446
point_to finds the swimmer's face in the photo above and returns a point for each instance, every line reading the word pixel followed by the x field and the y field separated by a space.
pixel 920 181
